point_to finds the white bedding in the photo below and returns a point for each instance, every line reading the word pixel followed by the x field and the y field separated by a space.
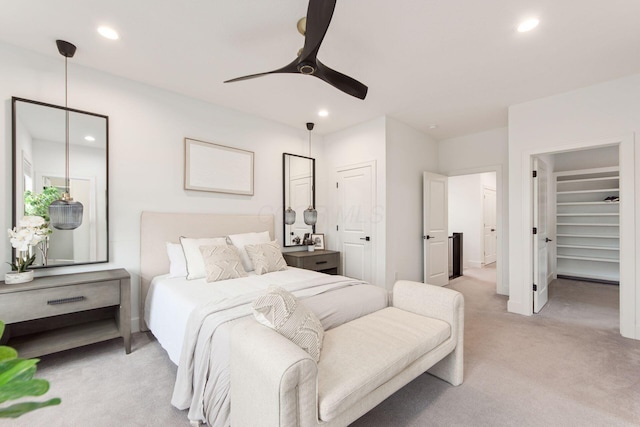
pixel 170 301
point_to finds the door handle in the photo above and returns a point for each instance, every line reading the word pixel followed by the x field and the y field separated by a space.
pixel 493 229
pixel 368 239
pixel 427 237
pixel 546 239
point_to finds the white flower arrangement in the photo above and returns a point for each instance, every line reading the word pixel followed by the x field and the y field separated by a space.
pixel 30 232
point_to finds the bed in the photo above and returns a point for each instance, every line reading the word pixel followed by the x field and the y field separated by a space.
pixel 192 319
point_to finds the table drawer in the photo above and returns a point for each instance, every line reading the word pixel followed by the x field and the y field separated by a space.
pixel 35 304
pixel 320 262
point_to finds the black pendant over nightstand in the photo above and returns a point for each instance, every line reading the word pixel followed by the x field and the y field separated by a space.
pixel 324 261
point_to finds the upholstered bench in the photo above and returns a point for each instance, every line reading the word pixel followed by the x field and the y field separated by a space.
pixel 276 383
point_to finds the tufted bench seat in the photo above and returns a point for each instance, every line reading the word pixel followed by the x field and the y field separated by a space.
pixel 362 362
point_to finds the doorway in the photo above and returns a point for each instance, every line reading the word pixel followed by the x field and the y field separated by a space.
pixel 473 212
pixel 580 206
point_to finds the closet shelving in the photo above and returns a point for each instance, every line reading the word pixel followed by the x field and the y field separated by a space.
pixel 587 226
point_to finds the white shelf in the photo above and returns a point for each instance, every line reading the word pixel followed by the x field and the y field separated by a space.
pixel 603 248
pixel 584 258
pixel 588 214
pixel 599 190
pixel 587 228
pixel 606 178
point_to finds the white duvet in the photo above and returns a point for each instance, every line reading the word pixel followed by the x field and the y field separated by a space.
pixel 171 300
pixel 192 320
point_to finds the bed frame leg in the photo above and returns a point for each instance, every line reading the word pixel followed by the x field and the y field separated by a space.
pixel 195 423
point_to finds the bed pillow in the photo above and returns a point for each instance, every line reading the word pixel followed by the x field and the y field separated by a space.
pixel 177 262
pixel 241 240
pixel 222 262
pixel 191 249
pixel 266 257
pixel 282 312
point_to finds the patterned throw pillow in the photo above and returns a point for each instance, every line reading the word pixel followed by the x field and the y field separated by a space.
pixel 222 262
pixel 266 257
pixel 191 249
pixel 282 312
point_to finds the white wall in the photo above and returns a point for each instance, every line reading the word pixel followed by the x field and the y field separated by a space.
pixel 358 144
pixel 484 152
pixel 409 153
pixel 604 114
pixel 147 127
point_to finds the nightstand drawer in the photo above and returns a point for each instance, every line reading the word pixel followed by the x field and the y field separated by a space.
pixel 321 262
pixel 36 304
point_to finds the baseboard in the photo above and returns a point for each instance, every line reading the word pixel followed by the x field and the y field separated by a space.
pixel 517 307
pixel 475 264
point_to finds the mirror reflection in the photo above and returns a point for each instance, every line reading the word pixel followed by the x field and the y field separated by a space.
pixel 299 184
pixel 39 137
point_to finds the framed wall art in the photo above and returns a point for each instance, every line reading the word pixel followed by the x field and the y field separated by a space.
pixel 217 168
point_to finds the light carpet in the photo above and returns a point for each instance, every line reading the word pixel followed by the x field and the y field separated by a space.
pixel 567 366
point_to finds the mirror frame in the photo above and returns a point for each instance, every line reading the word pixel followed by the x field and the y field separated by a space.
pixel 284 194
pixel 14 159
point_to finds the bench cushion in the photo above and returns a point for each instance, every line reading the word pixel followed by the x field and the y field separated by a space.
pixel 359 356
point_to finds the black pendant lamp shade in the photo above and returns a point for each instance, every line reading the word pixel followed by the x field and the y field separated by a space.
pixel 65 213
pixel 310 214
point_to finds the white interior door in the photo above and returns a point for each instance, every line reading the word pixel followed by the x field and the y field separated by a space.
pixel 436 239
pixel 489 225
pixel 540 237
pixel 355 199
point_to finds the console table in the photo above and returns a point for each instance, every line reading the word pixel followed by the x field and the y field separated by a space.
pixel 56 313
pixel 324 261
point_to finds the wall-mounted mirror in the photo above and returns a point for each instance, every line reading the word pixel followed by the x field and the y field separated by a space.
pixel 39 140
pixel 299 192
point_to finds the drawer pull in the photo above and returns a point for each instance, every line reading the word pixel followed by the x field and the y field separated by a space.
pixel 320 262
pixel 65 300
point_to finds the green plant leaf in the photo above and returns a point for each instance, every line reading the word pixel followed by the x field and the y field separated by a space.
pixel 15 390
pixel 7 353
pixel 14 411
pixel 16 369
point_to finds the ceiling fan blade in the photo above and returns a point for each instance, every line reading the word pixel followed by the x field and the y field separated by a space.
pixel 319 14
pixel 289 68
pixel 340 81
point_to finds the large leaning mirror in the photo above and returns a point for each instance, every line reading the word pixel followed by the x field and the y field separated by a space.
pixel 39 178
pixel 299 193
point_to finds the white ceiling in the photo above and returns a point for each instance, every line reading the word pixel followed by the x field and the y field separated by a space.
pixel 456 63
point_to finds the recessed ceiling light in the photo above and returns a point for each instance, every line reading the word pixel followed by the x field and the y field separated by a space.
pixel 89 138
pixel 528 25
pixel 323 113
pixel 433 126
pixel 108 32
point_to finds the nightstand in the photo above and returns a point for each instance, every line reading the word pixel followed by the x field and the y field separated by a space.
pixel 323 261
pixel 56 313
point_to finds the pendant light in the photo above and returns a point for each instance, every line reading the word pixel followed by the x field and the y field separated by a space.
pixel 65 213
pixel 310 214
pixel 289 214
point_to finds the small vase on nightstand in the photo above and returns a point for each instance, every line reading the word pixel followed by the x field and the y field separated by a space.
pixel 15 277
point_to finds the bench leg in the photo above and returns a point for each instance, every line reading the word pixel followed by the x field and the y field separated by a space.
pixel 450 369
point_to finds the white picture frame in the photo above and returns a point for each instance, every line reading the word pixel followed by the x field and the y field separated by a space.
pixel 217 168
pixel 318 240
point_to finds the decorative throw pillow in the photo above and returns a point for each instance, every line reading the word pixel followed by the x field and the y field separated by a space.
pixel 177 262
pixel 282 312
pixel 241 240
pixel 191 249
pixel 222 262
pixel 266 257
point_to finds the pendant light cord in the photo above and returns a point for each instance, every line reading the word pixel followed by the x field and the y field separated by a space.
pixel 66 111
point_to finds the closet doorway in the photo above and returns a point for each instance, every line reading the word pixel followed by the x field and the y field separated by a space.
pixel 583 223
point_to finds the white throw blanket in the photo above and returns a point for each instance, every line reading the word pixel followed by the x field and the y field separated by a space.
pixel 202 382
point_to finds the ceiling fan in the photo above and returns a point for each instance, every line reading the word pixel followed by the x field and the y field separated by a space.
pixel 314 27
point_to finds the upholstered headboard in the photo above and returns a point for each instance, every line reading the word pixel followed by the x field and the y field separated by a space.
pixel 157 228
